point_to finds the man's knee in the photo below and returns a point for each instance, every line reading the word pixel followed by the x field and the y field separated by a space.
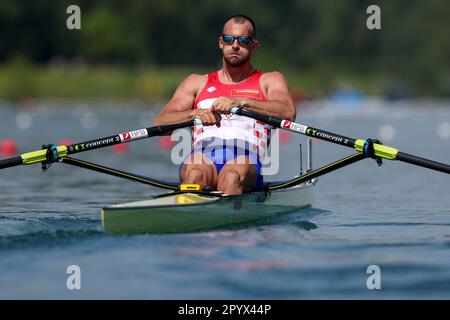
pixel 231 177
pixel 195 175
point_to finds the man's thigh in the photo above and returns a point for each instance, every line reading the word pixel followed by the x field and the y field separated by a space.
pixel 246 169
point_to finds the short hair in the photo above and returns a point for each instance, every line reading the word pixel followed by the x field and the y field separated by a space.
pixel 241 18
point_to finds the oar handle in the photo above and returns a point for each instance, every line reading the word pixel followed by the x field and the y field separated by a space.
pixel 274 122
pixel 161 130
pixel 11 162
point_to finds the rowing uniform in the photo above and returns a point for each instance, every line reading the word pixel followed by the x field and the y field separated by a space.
pixel 237 135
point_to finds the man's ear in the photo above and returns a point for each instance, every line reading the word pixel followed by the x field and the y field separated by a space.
pixel 220 43
pixel 255 44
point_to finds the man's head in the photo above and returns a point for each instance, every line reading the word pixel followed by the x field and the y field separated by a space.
pixel 237 41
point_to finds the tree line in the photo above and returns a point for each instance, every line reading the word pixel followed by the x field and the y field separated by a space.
pixel 322 38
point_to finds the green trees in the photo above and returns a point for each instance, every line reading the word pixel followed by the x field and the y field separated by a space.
pixel 323 40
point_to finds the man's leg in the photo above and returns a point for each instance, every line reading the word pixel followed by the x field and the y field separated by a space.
pixel 237 176
pixel 200 170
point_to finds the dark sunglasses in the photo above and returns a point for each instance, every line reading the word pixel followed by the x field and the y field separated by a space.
pixel 243 40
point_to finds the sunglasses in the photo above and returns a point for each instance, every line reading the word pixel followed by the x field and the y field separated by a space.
pixel 243 40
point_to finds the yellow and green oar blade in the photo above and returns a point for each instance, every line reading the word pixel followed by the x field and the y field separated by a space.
pixel 380 150
pixel 41 156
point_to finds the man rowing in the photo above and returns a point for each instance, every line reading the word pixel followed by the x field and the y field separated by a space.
pixel 227 149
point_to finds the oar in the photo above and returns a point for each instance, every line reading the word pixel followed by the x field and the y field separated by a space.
pixel 53 153
pixel 380 150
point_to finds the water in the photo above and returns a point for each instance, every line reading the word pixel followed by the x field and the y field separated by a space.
pixel 396 217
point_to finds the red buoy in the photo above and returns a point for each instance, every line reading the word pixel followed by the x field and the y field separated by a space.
pixel 8 147
pixel 65 142
pixel 120 148
pixel 165 142
pixel 285 137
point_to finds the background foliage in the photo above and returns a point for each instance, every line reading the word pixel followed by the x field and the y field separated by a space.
pixel 316 43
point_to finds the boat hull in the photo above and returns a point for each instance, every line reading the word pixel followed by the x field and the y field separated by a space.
pixel 194 212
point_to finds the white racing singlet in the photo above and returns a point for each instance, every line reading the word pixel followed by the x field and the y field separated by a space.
pixel 253 133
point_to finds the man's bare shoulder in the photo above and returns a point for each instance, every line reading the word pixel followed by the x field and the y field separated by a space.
pixel 195 81
pixel 197 77
pixel 273 80
pixel 273 76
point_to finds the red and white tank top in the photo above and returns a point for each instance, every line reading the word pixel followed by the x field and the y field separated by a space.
pixel 255 133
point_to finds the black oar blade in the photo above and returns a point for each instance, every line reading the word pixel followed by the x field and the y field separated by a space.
pixel 11 162
pixel 422 162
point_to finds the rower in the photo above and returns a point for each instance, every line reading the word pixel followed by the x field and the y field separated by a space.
pixel 227 149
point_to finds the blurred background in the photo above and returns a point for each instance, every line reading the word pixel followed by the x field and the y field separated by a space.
pixel 143 49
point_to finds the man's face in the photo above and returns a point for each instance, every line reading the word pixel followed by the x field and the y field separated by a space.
pixel 234 53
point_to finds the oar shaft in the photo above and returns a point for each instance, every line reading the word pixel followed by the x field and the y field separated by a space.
pixel 62 151
pixel 329 136
pixel 298 128
pixel 127 137
pixel 380 150
pixel 422 162
pixel 11 162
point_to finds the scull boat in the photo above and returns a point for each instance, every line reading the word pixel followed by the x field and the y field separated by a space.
pixel 186 210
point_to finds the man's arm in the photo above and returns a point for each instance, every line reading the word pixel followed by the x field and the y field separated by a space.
pixel 179 108
pixel 279 102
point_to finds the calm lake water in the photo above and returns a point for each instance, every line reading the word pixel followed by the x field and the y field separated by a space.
pixel 396 217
